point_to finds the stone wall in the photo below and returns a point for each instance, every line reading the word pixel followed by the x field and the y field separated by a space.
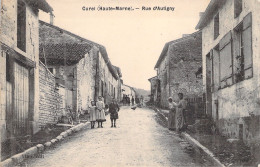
pixel 51 100
pixel 163 76
pixel 185 60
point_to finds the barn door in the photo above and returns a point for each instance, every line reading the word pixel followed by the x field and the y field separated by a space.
pixel 21 101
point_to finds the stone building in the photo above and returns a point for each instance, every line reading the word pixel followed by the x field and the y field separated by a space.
pixel 82 72
pixel 154 89
pixel 231 66
pixel 177 67
pixel 19 59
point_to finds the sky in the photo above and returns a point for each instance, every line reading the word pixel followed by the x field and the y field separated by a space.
pixel 133 39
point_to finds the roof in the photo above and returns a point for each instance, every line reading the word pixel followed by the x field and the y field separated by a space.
pixel 166 47
pixel 155 77
pixel 40 4
pixel 118 71
pixel 79 48
pixel 54 53
pixel 209 13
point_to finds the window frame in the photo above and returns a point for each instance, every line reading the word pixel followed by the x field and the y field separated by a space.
pixel 216 31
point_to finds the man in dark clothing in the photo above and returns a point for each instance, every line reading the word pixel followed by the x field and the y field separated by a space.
pixel 128 100
pixel 137 100
pixel 113 110
pixel 133 101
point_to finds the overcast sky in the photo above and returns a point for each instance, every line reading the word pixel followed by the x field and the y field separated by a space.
pixel 133 39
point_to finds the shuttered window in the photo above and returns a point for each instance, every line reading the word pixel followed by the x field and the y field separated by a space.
pixel 247 46
pixel 242 37
pixel 226 70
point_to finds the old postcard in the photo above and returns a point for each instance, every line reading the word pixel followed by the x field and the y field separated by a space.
pixel 129 83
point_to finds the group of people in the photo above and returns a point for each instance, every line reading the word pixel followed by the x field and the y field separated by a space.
pixel 177 114
pixel 132 101
pixel 97 112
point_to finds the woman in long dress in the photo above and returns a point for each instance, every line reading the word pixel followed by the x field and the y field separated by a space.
pixel 100 112
pixel 92 114
pixel 179 113
pixel 171 115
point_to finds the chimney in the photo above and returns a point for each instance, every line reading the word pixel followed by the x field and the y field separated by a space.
pixel 52 18
pixel 201 14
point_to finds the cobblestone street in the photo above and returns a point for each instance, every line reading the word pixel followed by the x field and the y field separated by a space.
pixel 138 140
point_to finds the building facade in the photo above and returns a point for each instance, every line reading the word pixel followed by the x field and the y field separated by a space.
pixel 82 71
pixel 177 67
pixel 231 66
pixel 19 57
pixel 154 89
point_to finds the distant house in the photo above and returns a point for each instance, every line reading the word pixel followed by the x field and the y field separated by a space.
pixel 19 73
pixel 231 56
pixel 82 72
pixel 154 89
pixel 176 69
pixel 127 91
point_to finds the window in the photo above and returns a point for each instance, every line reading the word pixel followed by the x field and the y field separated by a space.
pixel 243 67
pixel 238 4
pixel 226 64
pixel 216 26
pixel 21 26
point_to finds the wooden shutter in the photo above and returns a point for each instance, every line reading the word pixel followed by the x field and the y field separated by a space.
pixel 215 62
pixel 247 46
pixel 226 60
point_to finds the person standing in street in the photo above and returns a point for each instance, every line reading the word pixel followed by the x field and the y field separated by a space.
pixel 171 116
pixel 100 112
pixel 179 113
pixel 133 101
pixel 92 114
pixel 182 107
pixel 113 110
pixel 128 101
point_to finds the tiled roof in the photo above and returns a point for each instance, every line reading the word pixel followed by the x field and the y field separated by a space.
pixel 61 53
pixel 85 43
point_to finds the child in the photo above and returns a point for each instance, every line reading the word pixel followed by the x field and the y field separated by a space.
pixel 100 112
pixel 92 114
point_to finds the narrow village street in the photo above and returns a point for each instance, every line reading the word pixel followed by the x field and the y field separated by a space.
pixel 138 140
